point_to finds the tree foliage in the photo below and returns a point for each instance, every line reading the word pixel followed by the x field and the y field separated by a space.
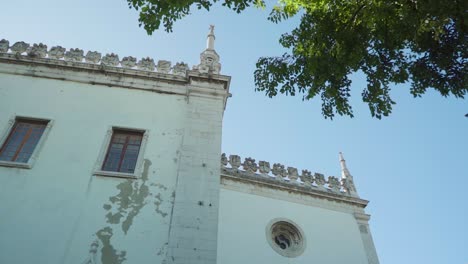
pixel 423 43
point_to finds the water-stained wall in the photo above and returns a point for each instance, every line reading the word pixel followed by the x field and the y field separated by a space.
pixel 58 211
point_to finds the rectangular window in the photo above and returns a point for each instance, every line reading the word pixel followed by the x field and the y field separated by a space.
pixel 123 150
pixel 22 140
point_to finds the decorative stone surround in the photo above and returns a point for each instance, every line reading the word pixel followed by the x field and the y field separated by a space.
pixel 286 175
pixel 92 57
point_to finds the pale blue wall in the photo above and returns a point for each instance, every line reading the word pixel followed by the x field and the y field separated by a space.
pixel 331 237
pixel 52 212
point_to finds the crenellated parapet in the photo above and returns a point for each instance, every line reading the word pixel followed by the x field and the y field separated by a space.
pixel 41 51
pixel 233 165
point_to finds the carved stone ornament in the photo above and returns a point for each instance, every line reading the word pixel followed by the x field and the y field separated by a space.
pixel 250 165
pixel 224 160
pixel 209 62
pixel 264 167
pixel 4 45
pixel 306 177
pixel 37 50
pixel 235 161
pixel 278 170
pixel 146 64
pixel 128 62
pixel 93 57
pixel 180 69
pixel 75 55
pixel 19 47
pixel 319 179
pixel 110 60
pixel 292 173
pixel 334 184
pixel 56 52
pixel 164 66
pixel 348 185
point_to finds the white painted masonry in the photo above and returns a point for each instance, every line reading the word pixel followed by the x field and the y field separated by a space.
pixel 182 205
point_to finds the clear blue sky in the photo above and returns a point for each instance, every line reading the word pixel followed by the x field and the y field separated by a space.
pixel 412 166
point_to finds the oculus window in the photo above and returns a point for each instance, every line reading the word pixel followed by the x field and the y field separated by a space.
pixel 286 238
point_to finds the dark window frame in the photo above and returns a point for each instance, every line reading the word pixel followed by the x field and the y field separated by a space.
pixel 106 167
pixel 33 123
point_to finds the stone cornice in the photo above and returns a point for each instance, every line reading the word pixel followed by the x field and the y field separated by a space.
pixel 290 177
pixel 58 63
pixel 99 74
pixel 232 175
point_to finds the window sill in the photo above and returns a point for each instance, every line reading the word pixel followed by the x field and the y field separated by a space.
pixel 115 174
pixel 13 164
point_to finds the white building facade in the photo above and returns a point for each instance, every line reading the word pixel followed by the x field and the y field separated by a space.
pixel 109 160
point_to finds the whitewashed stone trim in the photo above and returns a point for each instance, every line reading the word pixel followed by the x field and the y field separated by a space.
pixel 22 48
pixel 192 84
pixel 297 195
pixel 362 220
pixel 40 143
pixel 283 174
pixel 105 146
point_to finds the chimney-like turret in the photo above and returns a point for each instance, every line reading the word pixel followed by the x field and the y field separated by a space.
pixel 210 39
pixel 347 178
pixel 209 59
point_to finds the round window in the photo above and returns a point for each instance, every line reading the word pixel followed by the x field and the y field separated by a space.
pixel 285 237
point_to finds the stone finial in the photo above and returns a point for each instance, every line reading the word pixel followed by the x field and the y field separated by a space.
pixel 110 60
pixel 250 165
pixel 93 57
pixel 224 160
pixel 235 161
pixel 334 184
pixel 146 64
pixel 292 174
pixel 163 66
pixel 37 51
pixel 19 47
pixel 306 177
pixel 344 170
pixel 209 59
pixel 210 39
pixel 319 180
pixel 264 167
pixel 279 171
pixel 180 69
pixel 75 55
pixel 347 178
pixel 4 45
pixel 128 62
pixel 56 52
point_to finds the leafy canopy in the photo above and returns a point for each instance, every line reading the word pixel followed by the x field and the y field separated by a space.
pixel 423 43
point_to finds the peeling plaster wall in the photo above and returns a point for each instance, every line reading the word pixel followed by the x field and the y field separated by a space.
pixel 58 212
pixel 332 237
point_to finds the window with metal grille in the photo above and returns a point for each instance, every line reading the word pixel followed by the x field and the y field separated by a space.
pixel 122 154
pixel 22 140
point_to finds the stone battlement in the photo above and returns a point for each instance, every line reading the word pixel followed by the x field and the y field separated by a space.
pixel 287 176
pixel 92 57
